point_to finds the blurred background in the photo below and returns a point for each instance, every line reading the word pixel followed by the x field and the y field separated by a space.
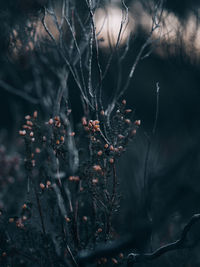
pixel 29 72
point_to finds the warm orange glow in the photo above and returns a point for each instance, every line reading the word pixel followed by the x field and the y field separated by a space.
pixel 172 33
pixel 108 22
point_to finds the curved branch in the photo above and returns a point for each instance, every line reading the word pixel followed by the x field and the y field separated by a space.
pixel 113 248
pixel 178 244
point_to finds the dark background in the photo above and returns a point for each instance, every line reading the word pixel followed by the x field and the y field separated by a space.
pixel 173 164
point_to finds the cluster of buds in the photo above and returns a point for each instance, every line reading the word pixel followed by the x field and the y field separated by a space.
pixel 108 150
pixel 109 145
pixel 56 121
pixel 28 126
pixel 43 186
pixel 92 126
pixel 122 129
pixel 59 131
pixel 126 126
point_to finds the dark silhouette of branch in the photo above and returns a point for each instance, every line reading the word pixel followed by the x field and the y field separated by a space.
pixel 178 244
pixel 113 248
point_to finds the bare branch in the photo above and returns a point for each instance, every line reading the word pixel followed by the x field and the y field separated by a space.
pixel 179 244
